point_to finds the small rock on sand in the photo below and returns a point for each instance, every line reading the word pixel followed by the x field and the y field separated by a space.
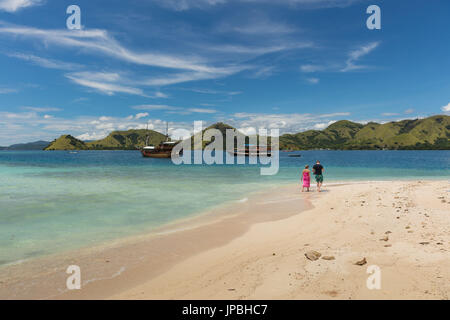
pixel 385 238
pixel 361 262
pixel 328 258
pixel 313 255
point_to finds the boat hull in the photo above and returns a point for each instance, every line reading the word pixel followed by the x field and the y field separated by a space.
pixel 156 154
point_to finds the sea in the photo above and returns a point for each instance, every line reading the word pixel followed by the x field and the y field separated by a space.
pixel 55 201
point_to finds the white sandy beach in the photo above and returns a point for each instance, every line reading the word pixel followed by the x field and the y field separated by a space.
pixel 401 227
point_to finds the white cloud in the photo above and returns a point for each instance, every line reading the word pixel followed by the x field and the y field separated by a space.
pixel 248 131
pixel 107 83
pixel 160 94
pixel 349 65
pixel 323 125
pixel 41 109
pixel 199 110
pixel 257 24
pixel 44 62
pixel 99 41
pixel 287 123
pixel 409 111
pixel 16 5
pixel 313 80
pixel 181 5
pixel 390 114
pixel 174 110
pixel 358 53
pixel 154 107
pixel 311 68
pixel 91 136
pixel 8 90
pixel 141 115
pixel 446 108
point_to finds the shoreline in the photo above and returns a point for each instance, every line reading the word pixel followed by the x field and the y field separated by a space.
pixel 120 268
pixel 400 227
pixel 132 251
pixel 200 218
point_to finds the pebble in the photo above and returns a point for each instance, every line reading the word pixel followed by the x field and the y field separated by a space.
pixel 361 262
pixel 313 255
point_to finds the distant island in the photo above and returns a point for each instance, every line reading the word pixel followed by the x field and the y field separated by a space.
pixel 431 133
pixel 37 145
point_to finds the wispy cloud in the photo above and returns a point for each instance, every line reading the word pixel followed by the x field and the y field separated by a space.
pixel 41 109
pixel 287 123
pixel 182 5
pixel 390 114
pixel 355 55
pixel 8 90
pixel 213 92
pixel 446 108
pixel 350 64
pixel 257 25
pixel 44 62
pixel 307 68
pixel 152 107
pixel 313 80
pixel 16 5
pixel 173 110
pixel 104 82
pixel 200 110
pixel 99 41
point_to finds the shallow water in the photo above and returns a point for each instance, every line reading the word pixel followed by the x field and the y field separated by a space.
pixel 55 201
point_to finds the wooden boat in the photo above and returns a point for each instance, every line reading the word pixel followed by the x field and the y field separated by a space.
pixel 163 151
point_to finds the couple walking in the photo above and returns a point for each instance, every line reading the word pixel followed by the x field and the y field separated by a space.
pixel 318 173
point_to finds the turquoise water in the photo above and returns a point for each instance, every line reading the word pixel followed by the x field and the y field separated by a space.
pixel 54 201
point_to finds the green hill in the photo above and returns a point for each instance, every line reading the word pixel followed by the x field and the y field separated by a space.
pixel 66 142
pixel 222 127
pixel 117 140
pixel 127 140
pixel 430 133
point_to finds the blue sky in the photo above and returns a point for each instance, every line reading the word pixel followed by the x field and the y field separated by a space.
pixel 287 64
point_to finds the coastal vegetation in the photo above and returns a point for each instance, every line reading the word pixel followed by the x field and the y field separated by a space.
pixel 431 133
pixel 117 140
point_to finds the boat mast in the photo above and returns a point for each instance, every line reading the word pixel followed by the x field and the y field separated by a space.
pixel 146 140
pixel 167 131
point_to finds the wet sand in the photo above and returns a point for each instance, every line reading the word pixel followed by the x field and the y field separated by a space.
pixel 118 266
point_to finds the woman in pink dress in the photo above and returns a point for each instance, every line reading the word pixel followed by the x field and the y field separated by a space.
pixel 306 178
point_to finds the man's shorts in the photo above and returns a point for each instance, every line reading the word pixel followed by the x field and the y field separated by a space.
pixel 319 178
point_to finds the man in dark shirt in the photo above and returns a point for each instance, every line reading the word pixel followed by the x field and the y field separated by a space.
pixel 318 172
